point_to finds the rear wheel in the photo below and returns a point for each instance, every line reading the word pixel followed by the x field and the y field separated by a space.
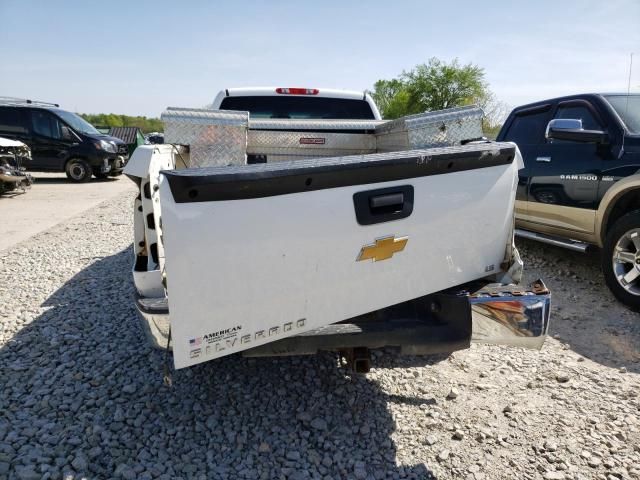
pixel 621 260
pixel 78 170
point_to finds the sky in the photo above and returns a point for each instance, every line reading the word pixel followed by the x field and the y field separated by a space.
pixel 137 57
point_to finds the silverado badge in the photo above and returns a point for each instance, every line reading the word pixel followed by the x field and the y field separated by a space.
pixel 382 249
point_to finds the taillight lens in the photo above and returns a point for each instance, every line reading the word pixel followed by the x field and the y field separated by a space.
pixel 297 91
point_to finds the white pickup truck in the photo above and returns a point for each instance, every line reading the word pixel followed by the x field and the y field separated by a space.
pixel 286 221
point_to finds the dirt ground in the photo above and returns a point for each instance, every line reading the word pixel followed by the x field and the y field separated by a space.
pixel 51 200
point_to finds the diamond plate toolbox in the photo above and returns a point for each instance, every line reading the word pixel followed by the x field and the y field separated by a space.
pixel 215 137
pixel 431 129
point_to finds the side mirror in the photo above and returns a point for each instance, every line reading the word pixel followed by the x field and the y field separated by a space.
pixel 67 134
pixel 571 129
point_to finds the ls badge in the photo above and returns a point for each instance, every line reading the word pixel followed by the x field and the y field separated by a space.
pixel 382 249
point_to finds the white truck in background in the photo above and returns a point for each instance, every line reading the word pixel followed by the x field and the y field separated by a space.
pixel 286 221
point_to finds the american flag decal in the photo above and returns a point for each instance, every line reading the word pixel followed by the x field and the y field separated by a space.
pixel 195 342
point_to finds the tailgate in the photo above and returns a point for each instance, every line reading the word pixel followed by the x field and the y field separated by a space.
pixel 257 253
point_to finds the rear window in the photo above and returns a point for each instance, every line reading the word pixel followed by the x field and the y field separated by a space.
pixel 300 107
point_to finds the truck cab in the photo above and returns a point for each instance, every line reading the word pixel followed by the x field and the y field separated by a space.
pixel 581 177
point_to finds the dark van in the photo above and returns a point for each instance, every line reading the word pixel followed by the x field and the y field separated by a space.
pixel 61 141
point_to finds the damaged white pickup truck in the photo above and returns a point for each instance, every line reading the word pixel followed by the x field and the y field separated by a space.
pixel 287 221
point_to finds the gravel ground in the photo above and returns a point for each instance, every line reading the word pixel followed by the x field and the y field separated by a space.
pixel 51 200
pixel 82 396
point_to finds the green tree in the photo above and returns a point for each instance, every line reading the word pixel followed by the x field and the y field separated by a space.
pixel 116 120
pixel 430 86
pixel 436 85
pixel 391 97
pixel 113 120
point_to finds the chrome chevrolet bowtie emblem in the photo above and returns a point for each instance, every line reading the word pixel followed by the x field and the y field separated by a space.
pixel 382 249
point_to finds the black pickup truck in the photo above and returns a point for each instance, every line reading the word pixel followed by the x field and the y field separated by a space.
pixel 581 182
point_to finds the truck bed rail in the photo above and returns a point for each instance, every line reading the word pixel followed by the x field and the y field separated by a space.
pixel 262 180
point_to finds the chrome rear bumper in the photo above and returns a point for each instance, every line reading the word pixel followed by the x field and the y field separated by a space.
pixel 510 315
pixel 499 315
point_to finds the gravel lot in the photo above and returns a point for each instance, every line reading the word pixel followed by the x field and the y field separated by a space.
pixel 81 394
pixel 51 200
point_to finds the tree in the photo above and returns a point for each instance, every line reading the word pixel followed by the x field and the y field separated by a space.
pixel 116 120
pixel 391 97
pixel 495 113
pixel 437 85
pixel 434 85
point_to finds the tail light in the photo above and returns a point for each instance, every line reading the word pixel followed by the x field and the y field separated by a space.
pixel 297 91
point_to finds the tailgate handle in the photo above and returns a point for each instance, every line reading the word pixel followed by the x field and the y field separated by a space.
pixel 389 200
pixel 383 204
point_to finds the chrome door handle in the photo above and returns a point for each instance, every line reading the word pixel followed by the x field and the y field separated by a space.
pixel 543 159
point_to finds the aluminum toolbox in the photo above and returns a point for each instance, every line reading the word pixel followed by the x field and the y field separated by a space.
pixel 224 137
pixel 431 129
pixel 215 137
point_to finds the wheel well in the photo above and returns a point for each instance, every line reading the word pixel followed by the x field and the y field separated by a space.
pixel 75 157
pixel 628 202
pixel 66 163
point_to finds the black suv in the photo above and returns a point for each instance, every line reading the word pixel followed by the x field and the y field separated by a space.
pixel 61 141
